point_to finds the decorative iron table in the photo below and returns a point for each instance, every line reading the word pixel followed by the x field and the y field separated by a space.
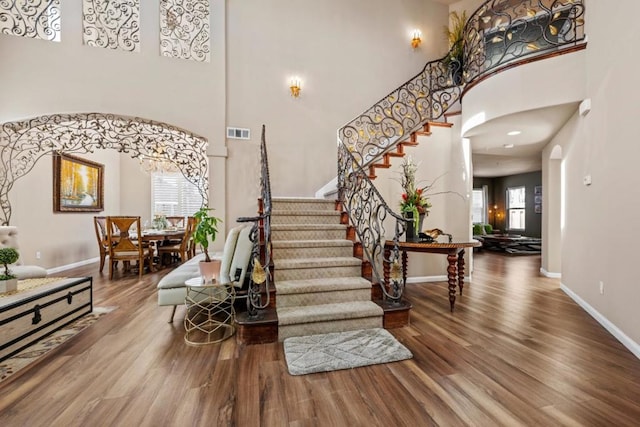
pixel 210 314
pixel 455 256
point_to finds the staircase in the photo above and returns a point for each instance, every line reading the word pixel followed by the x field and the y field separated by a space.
pixel 318 281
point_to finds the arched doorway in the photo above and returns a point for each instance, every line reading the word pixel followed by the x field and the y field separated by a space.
pixel 23 143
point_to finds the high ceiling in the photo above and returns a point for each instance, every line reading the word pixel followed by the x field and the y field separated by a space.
pixel 448 2
pixel 490 141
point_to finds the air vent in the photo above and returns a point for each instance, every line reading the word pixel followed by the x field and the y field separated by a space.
pixel 238 133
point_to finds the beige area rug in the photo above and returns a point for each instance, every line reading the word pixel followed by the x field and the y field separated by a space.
pixel 38 349
pixel 342 350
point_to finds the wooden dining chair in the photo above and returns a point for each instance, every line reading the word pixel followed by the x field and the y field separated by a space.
pixel 176 221
pixel 122 247
pixel 182 249
pixel 100 225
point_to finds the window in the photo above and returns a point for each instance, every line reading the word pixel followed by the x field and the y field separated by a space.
pixel 479 206
pixel 172 194
pixel 516 205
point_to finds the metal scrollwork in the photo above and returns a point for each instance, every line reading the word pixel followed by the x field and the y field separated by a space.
pixel 184 29
pixel 427 96
pixel 38 19
pixel 499 32
pixel 113 24
pixel 367 212
pixel 260 234
pixel 502 31
pixel 23 143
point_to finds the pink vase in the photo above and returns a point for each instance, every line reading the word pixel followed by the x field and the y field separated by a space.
pixel 210 270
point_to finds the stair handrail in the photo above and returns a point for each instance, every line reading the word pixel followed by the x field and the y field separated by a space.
pixel 430 93
pixel 362 201
pixel 260 236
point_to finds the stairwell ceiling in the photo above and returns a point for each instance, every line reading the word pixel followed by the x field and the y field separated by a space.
pixel 537 127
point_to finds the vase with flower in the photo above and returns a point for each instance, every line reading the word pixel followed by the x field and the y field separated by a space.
pixel 414 204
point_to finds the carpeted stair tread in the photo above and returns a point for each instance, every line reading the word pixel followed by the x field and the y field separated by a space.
pixel 296 263
pixel 287 244
pixel 321 285
pixel 303 227
pixel 275 212
pixel 328 312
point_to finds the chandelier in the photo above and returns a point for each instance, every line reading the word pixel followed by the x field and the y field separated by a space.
pixel 157 162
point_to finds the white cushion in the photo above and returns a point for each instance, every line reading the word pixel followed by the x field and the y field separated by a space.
pixel 227 253
pixel 241 256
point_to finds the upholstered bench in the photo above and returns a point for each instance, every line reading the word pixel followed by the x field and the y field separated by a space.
pixel 9 239
pixel 234 258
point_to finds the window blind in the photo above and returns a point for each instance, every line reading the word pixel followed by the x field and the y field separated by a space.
pixel 172 194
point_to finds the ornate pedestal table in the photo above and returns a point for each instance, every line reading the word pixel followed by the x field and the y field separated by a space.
pixel 455 257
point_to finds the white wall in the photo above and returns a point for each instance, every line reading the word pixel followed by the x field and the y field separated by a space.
pixel 348 54
pixel 600 219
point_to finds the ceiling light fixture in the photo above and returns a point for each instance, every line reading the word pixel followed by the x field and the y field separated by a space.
pixel 514 132
pixel 508 145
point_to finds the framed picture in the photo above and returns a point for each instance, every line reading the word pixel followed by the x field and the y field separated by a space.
pixel 538 209
pixel 537 189
pixel 538 200
pixel 78 184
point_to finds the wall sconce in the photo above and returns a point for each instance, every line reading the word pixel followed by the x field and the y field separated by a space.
pixel 416 40
pixel 294 85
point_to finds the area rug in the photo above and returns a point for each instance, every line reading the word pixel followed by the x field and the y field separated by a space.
pixel 32 353
pixel 342 350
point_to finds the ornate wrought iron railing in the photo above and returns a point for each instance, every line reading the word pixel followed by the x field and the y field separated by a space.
pixel 503 31
pixel 497 34
pixel 260 237
pixel 367 211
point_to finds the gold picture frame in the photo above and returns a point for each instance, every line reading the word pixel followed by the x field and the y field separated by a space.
pixel 78 184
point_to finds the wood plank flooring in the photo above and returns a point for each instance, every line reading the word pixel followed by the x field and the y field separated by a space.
pixel 516 351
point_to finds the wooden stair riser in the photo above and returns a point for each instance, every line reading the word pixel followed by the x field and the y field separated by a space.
pixel 314 298
pixel 316 252
pixel 332 219
pixel 307 234
pixel 316 273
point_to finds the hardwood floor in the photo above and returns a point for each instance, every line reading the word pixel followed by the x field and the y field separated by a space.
pixel 516 351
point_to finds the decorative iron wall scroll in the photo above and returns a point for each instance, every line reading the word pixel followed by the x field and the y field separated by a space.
pixel 112 24
pixel 23 143
pixel 184 29
pixel 38 19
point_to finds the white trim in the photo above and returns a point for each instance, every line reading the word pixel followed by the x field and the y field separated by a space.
pixel 549 274
pixel 74 265
pixel 426 279
pixel 613 329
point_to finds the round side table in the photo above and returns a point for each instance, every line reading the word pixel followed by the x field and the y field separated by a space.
pixel 210 314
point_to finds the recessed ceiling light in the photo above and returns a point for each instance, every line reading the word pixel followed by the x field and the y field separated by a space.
pixel 514 132
pixel 508 145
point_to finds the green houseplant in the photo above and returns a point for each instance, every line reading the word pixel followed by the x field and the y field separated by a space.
pixel 8 281
pixel 455 36
pixel 205 233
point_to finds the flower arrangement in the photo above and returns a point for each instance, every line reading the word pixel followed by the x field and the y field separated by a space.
pixel 414 198
pixel 160 222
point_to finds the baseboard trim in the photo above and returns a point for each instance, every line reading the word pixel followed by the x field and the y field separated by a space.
pixel 73 265
pixel 613 329
pixel 549 274
pixel 424 279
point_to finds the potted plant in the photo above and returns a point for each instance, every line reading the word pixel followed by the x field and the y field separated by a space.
pixel 205 233
pixel 455 36
pixel 414 204
pixel 8 281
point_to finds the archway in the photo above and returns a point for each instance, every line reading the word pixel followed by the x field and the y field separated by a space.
pixel 23 143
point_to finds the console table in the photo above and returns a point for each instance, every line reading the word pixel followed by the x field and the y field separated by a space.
pixel 455 256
